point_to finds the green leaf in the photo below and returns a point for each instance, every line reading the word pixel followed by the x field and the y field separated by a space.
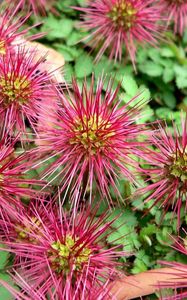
pixel 181 82
pixel 83 66
pixel 154 54
pixel 144 93
pixel 152 69
pixel 181 76
pixel 74 38
pixel 66 52
pixel 129 85
pixel 169 99
pixel 81 2
pixel 4 293
pixel 163 112
pixel 103 66
pixel 125 217
pixel 68 72
pixel 168 75
pixel 57 28
pixel 166 52
pixel 3 258
pixel 142 55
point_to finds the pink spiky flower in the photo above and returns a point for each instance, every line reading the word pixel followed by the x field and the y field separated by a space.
pixel 115 24
pixel 22 86
pixel 63 255
pixel 167 169
pixel 180 244
pixel 176 12
pixel 11 32
pixel 13 182
pixel 28 292
pixel 92 138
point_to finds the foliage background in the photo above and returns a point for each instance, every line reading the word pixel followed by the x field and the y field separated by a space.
pixel 162 77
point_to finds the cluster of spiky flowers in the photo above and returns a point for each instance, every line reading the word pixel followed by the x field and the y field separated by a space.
pixel 176 12
pixel 115 24
pixel 166 167
pixel 93 138
pixel 60 255
pixel 24 80
pixel 86 139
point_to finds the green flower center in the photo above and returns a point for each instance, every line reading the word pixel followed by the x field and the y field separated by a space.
pixel 123 14
pixel 14 89
pixel 66 256
pixel 92 133
pixel 178 168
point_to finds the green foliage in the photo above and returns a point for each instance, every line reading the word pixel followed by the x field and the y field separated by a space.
pixel 4 293
pixel 161 77
pixel 3 258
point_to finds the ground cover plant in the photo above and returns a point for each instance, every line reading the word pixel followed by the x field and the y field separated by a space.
pixel 93 139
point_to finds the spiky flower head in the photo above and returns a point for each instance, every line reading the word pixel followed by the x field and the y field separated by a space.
pixel 22 86
pixel 14 183
pixel 11 31
pixel 167 169
pixel 176 12
pixel 28 292
pixel 92 138
pixel 115 24
pixel 67 255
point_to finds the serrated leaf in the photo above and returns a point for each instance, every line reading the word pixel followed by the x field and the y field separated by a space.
pixel 125 217
pixel 129 85
pixel 57 28
pixel 168 75
pixel 103 66
pixel 83 66
pixel 152 69
pixel 142 55
pixel 68 72
pixel 169 99
pixel 154 54
pixel 163 112
pixel 74 38
pixel 166 52
pixel 181 82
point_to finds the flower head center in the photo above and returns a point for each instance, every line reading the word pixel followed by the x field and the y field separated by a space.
pixel 123 14
pixel 178 168
pixel 68 255
pixel 14 89
pixel 92 132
